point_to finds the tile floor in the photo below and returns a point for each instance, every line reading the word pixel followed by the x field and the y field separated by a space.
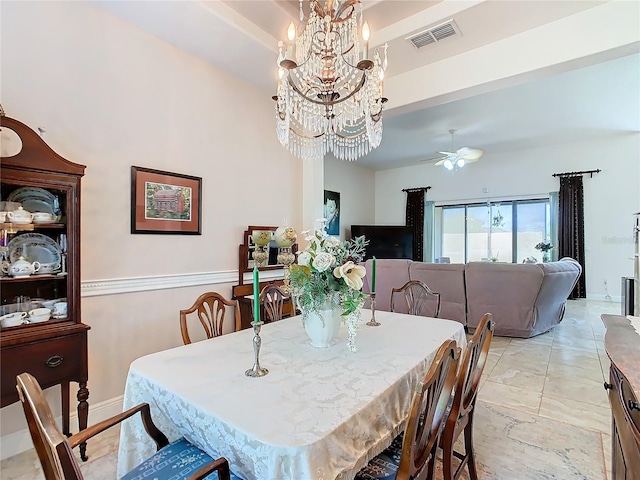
pixel 542 409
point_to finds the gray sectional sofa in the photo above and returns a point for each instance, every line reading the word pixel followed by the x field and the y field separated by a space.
pixel 525 299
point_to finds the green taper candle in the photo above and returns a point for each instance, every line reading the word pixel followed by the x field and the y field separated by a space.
pixel 373 275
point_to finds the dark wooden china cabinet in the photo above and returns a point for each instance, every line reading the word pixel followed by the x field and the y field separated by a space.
pixel 55 350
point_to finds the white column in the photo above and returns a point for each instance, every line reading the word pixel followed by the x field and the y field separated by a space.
pixel 312 192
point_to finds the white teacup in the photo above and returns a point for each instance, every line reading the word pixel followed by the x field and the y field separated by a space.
pixel 3 217
pixel 13 319
pixel 49 303
pixel 39 315
pixel 48 268
pixel 60 309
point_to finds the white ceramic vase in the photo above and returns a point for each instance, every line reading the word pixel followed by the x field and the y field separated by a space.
pixel 322 326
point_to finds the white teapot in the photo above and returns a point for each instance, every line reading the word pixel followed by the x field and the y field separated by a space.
pixel 20 216
pixel 21 268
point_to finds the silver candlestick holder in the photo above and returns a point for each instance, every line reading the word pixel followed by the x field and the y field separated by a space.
pixel 256 370
pixel 373 322
pixel 286 258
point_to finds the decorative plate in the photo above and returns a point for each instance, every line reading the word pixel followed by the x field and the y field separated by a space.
pixel 36 192
pixel 36 205
pixel 35 199
pixel 36 247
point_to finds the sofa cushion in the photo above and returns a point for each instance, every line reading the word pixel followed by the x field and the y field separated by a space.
pixel 559 280
pixel 508 291
pixel 525 299
pixel 448 281
pixel 390 273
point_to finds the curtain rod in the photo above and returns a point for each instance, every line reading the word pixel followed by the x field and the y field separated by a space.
pixel 417 189
pixel 573 174
pixel 492 200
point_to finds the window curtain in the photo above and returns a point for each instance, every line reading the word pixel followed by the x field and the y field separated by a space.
pixel 429 230
pixel 415 219
pixel 553 223
pixel 571 227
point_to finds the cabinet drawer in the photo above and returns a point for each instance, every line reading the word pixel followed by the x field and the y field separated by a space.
pixel 50 361
pixel 626 434
pixel 627 398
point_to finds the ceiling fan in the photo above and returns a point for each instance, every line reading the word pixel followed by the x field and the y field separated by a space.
pixel 460 157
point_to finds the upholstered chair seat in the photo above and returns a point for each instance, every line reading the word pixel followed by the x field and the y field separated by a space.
pixel 178 460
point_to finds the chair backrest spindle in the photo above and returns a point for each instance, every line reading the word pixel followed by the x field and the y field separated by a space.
pixel 272 299
pixel 427 414
pixel 211 309
pixel 463 406
pixel 419 299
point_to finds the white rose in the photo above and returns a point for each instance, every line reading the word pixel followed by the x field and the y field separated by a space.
pixel 332 242
pixel 352 274
pixel 304 258
pixel 323 261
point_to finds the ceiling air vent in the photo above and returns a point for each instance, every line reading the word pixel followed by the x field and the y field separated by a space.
pixel 434 34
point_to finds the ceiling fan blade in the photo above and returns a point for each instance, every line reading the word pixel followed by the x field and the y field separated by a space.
pixel 439 162
pixel 471 160
pixel 431 159
pixel 449 154
pixel 469 153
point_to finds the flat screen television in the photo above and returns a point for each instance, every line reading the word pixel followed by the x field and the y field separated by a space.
pixel 386 241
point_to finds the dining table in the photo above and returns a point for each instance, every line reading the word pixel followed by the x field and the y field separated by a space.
pixel 320 413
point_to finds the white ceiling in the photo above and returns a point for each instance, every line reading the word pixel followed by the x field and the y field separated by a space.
pixel 241 37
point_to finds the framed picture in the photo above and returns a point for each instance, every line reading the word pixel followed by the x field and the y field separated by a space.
pixel 165 202
pixel 332 212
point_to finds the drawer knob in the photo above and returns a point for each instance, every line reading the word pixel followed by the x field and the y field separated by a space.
pixel 607 386
pixel 634 405
pixel 54 361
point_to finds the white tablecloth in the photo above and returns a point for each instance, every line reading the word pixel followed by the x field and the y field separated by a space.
pixel 318 414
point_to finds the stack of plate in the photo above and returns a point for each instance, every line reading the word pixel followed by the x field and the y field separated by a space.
pixel 36 247
pixel 34 199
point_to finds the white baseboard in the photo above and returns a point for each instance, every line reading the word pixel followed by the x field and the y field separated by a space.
pixel 18 442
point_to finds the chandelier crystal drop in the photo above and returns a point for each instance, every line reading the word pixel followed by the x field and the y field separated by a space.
pixel 329 96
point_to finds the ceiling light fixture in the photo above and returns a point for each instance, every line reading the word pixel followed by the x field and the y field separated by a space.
pixel 458 158
pixel 329 95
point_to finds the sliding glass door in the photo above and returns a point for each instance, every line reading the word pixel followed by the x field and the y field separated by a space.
pixel 499 232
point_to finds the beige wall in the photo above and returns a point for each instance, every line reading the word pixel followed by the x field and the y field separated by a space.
pixel 111 96
pixel 356 186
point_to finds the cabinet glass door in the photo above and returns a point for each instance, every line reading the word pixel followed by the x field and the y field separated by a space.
pixel 34 255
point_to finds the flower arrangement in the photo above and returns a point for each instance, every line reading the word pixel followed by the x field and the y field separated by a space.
pixel 328 272
pixel 544 246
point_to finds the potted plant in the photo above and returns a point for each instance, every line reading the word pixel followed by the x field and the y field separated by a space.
pixel 545 247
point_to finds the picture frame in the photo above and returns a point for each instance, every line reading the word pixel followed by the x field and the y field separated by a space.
pixel 165 202
pixel 332 212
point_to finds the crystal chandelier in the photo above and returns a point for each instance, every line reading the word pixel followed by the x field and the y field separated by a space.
pixel 329 92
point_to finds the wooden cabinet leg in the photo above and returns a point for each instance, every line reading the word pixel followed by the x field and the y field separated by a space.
pixel 64 393
pixel 83 414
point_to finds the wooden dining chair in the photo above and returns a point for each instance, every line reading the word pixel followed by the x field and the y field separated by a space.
pixel 211 309
pixel 463 407
pixel 272 299
pixel 419 298
pixel 412 454
pixel 178 460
